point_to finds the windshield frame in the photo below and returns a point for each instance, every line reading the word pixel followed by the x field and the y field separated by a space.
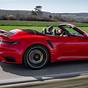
pixel 74 28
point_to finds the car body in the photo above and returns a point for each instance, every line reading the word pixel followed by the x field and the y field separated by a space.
pixel 35 49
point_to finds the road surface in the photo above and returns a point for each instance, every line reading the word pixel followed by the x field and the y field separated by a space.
pixel 9 71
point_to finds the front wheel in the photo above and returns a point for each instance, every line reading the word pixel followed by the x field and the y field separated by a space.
pixel 36 57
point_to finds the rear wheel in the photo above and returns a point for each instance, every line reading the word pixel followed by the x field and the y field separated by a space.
pixel 36 57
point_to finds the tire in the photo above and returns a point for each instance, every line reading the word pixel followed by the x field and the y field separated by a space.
pixel 36 57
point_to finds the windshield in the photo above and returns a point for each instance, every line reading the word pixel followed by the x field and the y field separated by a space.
pixel 73 31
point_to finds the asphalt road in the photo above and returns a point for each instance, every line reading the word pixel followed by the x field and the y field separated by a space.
pixel 9 71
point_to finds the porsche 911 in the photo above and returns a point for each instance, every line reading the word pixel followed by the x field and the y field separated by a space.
pixel 36 49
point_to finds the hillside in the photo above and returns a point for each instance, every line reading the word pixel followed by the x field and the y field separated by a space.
pixel 27 15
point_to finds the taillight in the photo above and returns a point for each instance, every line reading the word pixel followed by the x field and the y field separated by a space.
pixel 9 43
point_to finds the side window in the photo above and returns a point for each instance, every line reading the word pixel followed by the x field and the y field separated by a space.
pixel 73 31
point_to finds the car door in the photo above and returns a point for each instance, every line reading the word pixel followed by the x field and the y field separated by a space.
pixel 83 47
pixel 69 48
pixel 74 47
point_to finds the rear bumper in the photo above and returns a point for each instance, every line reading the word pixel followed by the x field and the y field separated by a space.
pixel 9 55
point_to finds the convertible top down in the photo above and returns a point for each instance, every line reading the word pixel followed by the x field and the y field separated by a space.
pixel 35 49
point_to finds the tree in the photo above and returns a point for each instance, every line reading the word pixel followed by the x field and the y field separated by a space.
pixel 34 13
pixel 38 8
pixel 37 11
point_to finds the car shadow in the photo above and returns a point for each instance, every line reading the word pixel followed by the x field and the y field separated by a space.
pixel 51 69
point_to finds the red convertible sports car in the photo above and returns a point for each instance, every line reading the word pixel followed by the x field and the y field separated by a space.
pixel 35 49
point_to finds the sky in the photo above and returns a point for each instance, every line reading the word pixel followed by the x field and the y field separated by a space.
pixel 55 6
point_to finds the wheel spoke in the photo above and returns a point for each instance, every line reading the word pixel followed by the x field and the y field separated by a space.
pixel 37 57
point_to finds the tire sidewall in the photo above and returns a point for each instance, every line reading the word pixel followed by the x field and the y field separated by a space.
pixel 43 50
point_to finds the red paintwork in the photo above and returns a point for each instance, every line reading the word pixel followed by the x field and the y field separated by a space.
pixel 64 48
